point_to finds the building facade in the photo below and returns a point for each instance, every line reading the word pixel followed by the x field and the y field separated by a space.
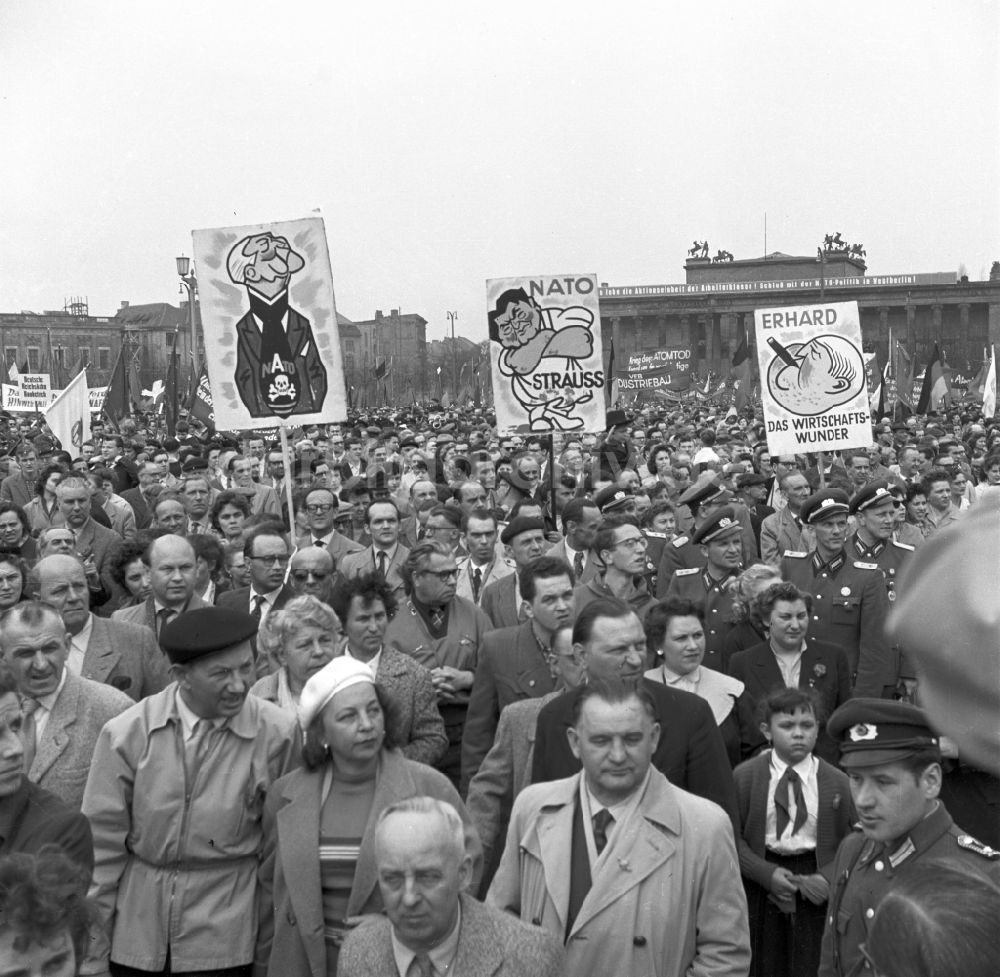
pixel 710 312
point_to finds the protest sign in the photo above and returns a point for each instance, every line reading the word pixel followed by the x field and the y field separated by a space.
pixel 813 378
pixel 545 353
pixel 35 387
pixel 15 400
pixel 96 398
pixel 270 323
pixel 668 370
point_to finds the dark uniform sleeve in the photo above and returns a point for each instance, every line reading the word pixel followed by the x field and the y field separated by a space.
pixel 877 662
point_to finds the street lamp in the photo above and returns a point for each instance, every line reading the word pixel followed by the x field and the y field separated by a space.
pixel 190 282
pixel 454 355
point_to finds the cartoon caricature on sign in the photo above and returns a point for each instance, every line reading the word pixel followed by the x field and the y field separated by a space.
pixel 814 387
pixel 546 352
pixel 271 339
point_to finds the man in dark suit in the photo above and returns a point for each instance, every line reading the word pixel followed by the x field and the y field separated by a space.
pixel 98 547
pixel 580 521
pixel 116 653
pixel 609 637
pixel 267 553
pixel 143 498
pixel 19 488
pixel 513 662
pixel 788 659
pixel 279 371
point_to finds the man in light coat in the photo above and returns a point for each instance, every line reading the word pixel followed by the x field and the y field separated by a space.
pixel 635 875
pixel 63 714
pixel 175 799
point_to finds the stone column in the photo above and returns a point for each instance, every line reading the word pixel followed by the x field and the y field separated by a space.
pixel 688 336
pixel 616 334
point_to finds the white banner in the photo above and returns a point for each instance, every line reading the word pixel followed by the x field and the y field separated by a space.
pixel 36 387
pixel 813 384
pixel 270 322
pixel 545 353
pixel 15 400
pixel 68 415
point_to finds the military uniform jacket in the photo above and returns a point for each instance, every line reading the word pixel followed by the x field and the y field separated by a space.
pixel 889 556
pixel 850 607
pixel 863 872
pixel 716 597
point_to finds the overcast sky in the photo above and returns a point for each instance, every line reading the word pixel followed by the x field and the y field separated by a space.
pixel 445 144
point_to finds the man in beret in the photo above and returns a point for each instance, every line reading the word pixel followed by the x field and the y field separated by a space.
pixel 703 499
pixel 525 540
pixel 893 760
pixel 175 798
pixel 850 605
pixel 719 538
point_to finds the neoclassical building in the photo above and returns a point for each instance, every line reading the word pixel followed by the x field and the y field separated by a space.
pixel 709 312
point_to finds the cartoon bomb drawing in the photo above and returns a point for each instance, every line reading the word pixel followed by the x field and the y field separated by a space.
pixel 813 377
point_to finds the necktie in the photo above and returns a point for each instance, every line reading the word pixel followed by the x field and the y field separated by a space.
pixel 196 528
pixel 381 564
pixel 602 821
pixel 28 707
pixel 578 565
pixel 258 604
pixel 477 583
pixel 420 966
pixel 789 781
pixel 163 617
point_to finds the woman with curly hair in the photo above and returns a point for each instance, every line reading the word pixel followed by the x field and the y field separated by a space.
pixel 748 630
pixel 42 509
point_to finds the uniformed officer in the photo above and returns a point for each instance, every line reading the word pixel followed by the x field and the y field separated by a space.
pixel 849 597
pixel 720 540
pixel 704 499
pixel 893 760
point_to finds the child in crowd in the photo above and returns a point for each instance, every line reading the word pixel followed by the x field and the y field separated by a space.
pixel 794 811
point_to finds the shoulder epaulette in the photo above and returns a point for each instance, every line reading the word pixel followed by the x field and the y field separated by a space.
pixel 686 572
pixel 680 541
pixel 903 546
pixel 653 535
pixel 797 554
pixel 974 845
pixel 865 566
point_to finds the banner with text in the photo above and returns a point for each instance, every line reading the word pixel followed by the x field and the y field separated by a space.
pixel 659 369
pixel 16 400
pixel 545 353
pixel 813 385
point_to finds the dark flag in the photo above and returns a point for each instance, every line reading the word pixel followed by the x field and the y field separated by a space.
pixel 201 404
pixel 116 397
pixel 935 390
pixel 740 373
pixel 171 393
pixel 611 381
pixel 380 370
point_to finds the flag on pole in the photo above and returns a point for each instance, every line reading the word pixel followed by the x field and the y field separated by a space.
pixel 990 387
pixel 741 373
pixel 708 384
pixel 381 370
pixel 68 416
pixel 115 397
pixel 201 404
pixel 14 374
pixel 935 390
pixel 876 385
pixel 904 379
pixel 612 380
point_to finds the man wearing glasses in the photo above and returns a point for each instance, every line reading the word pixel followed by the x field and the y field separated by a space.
pixel 321 511
pixel 622 548
pixel 311 572
pixel 267 553
pixel 443 632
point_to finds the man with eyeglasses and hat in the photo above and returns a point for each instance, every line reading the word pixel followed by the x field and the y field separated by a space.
pixel 893 761
pixel 719 538
pixel 850 605
pixel 175 799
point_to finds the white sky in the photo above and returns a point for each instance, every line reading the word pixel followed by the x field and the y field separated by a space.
pixel 447 143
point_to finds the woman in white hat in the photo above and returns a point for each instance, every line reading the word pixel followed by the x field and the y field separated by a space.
pixel 318 871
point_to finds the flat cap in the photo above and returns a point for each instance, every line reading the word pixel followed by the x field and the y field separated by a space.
pixel 707 488
pixel 204 631
pixel 518 525
pixel 823 505
pixel 875 731
pixel 722 523
pixel 616 418
pixel 873 494
pixel 751 478
pixel 194 463
pixel 613 497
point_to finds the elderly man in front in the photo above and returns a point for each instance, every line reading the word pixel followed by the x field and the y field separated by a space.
pixel 175 797
pixel 636 875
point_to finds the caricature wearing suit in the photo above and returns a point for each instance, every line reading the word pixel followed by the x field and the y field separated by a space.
pixel 278 367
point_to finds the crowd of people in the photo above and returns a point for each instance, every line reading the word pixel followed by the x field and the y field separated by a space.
pixel 417 698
